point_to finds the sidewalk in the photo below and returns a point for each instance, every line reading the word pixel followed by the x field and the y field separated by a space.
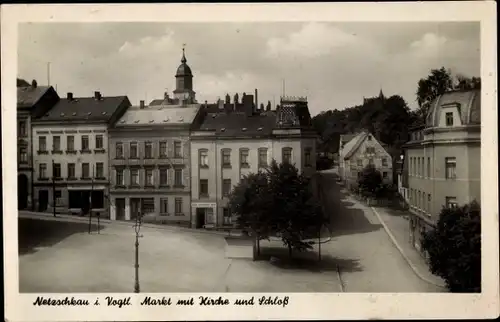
pixel 398 228
pixel 108 222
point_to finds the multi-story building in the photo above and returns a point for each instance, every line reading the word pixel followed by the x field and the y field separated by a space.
pixel 443 159
pixel 235 139
pixel 150 163
pixel 32 102
pixel 150 156
pixel 362 150
pixel 70 144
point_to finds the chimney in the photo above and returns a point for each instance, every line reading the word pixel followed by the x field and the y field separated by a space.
pixel 141 104
pixel 70 96
pixel 256 100
pixel 97 95
pixel 268 107
pixel 248 104
pixel 34 84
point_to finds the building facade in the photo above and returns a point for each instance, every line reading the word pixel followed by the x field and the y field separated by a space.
pixel 362 150
pixel 236 139
pixel 70 145
pixel 150 164
pixel 443 159
pixel 32 101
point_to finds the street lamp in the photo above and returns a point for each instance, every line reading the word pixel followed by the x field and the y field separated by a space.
pixel 137 228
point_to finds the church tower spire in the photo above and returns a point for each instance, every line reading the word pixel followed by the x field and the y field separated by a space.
pixel 184 82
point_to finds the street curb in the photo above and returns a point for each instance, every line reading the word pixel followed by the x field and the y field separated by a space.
pixel 121 223
pixel 395 242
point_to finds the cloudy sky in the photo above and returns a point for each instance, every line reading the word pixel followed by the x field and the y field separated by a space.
pixel 333 64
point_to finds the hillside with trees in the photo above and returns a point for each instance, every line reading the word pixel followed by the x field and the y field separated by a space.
pixel 388 118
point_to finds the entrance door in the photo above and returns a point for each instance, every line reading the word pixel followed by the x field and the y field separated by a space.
pixel 120 209
pixel 200 217
pixel 85 201
pixel 22 191
pixel 43 200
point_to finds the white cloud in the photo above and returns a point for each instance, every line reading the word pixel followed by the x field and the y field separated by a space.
pixel 313 40
pixel 429 44
pixel 149 45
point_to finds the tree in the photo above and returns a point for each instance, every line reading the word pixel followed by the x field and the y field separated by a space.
pixel 369 181
pixel 454 248
pixel 438 82
pixel 466 83
pixel 249 199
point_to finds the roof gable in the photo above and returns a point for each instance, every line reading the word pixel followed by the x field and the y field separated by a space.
pixel 28 96
pixel 351 146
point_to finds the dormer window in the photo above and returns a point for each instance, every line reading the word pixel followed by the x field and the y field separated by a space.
pixel 74 114
pixel 244 129
pixel 223 129
pixel 449 118
pixel 259 129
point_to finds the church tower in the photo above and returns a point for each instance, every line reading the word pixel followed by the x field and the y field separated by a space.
pixel 184 83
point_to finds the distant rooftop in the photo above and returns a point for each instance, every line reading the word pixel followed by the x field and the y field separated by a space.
pixel 159 115
pixel 27 96
pixel 237 123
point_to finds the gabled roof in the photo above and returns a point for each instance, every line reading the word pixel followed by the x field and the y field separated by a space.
pixel 85 109
pixel 239 124
pixel 351 146
pixel 344 138
pixel 28 96
pixel 159 115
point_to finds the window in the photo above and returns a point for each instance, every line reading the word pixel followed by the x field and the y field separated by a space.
pixel 85 171
pixel 428 167
pixel 119 150
pixel 450 166
pixel 384 175
pixel 384 162
pixel 178 206
pixel 370 161
pixel 203 188
pixel 163 149
pixel 177 150
pixel 359 162
pixel 134 177
pixel 287 155
pixel 449 119
pixel 164 206
pixel 148 206
pixel 307 156
pixel 99 170
pixel 244 158
pixel 226 158
pixel 120 179
pixel 418 167
pixel 71 171
pixel 178 177
pixel 369 137
pixel 85 143
pixel 148 177
pixel 148 150
pixel 163 176
pixel 419 196
pixel 429 202
pixel 451 202
pixel 58 197
pixel 360 174
pixel 42 144
pixel 203 158
pixel 22 128
pixel 262 157
pixel 43 170
pixel 133 150
pixel 70 143
pixel 56 170
pixel 23 155
pixel 411 196
pixel 370 150
pixel 226 216
pixel 226 187
pixel 99 142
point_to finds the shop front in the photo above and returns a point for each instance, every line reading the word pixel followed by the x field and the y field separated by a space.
pixel 204 215
pixel 82 200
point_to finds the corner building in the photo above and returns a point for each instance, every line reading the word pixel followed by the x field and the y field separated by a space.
pixel 442 160
pixel 235 139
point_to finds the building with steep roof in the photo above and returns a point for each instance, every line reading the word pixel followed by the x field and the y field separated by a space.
pixel 70 145
pixel 150 163
pixel 237 138
pixel 32 101
pixel 361 150
pixel 442 159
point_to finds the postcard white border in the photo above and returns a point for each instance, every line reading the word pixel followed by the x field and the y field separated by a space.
pixel 302 305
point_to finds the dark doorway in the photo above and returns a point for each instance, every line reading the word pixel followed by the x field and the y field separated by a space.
pixel 43 200
pixel 85 201
pixel 22 191
pixel 120 208
pixel 200 217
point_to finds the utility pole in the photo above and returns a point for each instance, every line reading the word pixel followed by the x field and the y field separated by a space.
pixel 90 199
pixel 53 188
pixel 137 228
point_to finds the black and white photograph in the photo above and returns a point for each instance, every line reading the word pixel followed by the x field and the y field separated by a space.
pixel 260 158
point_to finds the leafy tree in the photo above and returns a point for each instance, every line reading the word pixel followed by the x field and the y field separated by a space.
pixel 249 199
pixel 465 83
pixel 454 248
pixel 438 82
pixel 370 181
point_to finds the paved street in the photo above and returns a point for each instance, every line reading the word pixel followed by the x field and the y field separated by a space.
pixel 369 261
